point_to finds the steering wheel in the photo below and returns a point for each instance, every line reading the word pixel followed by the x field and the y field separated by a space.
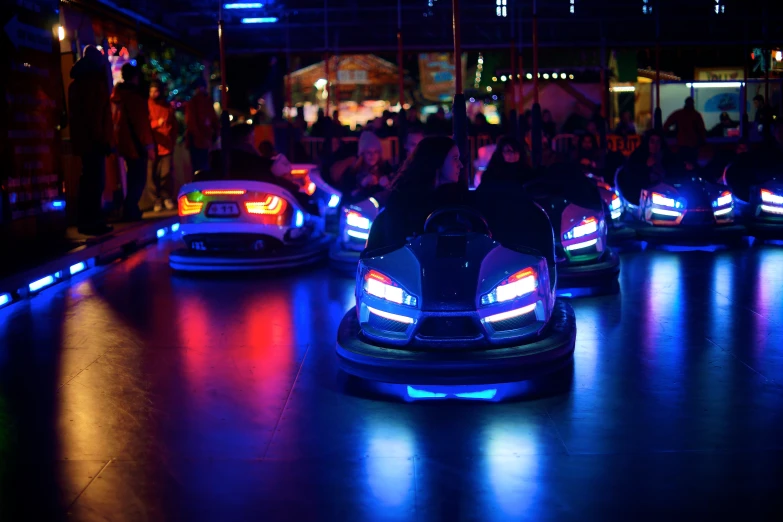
pixel 456 220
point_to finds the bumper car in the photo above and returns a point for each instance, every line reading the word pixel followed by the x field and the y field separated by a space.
pixel 758 199
pixel 309 178
pixel 237 225
pixel 613 210
pixel 354 229
pixel 585 263
pixel 683 209
pixel 454 307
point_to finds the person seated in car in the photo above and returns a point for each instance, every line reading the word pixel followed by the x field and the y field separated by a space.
pixel 588 155
pixel 370 170
pixel 247 164
pixel 651 163
pixel 281 167
pixel 505 204
pixel 428 180
pixel 508 163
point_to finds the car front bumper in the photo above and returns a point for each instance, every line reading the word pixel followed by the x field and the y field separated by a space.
pixel 489 364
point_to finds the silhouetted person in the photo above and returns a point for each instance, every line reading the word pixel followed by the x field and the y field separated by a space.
pixel 691 132
pixel 134 137
pixel 92 136
pixel 626 126
pixel 164 132
pixel 202 125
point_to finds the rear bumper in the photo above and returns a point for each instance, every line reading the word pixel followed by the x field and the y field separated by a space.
pixel 485 366
pixel 188 260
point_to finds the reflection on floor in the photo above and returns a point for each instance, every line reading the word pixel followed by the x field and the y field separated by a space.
pixel 137 395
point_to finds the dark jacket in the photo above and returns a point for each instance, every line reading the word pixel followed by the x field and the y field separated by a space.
pixel 90 109
pixel 201 122
pixel 514 219
pixel 131 121
pixel 405 214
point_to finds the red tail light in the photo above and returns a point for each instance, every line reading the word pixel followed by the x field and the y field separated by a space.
pixel 270 206
pixel 187 207
pixel 299 172
pixel 374 274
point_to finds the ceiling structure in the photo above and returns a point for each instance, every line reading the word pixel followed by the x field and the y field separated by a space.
pixel 316 26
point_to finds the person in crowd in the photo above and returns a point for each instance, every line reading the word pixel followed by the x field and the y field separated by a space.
pixel 691 132
pixel 577 120
pixel 280 167
pixel 133 134
pixel 320 126
pixel 626 126
pixel 649 164
pixel 763 114
pixel 438 124
pixel 429 179
pixel 548 125
pixel 414 120
pixel 721 128
pixel 480 126
pixel 247 163
pixel 508 163
pixel 202 125
pixel 369 170
pixel 588 155
pixel 163 123
pixel 92 136
pixel 413 138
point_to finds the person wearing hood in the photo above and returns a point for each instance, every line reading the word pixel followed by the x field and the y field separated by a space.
pixel 202 126
pixel 163 123
pixel 370 170
pixel 428 180
pixel 133 133
pixel 92 136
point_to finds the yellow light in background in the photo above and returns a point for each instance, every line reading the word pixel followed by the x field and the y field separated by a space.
pixel 61 32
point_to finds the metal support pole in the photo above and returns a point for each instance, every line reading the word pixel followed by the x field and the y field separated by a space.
pixel 289 92
pixel 400 68
pixel 225 120
pixel 658 117
pixel 459 115
pixel 536 134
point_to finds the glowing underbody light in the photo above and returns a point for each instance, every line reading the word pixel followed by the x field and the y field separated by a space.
pixel 511 314
pixel 334 200
pixel 244 5
pixel 5 299
pixel 41 283
pixel 260 20
pixel 442 393
pixel 616 214
pixel 771 209
pixel 583 244
pixel 665 212
pixel 299 221
pixel 78 267
pixel 175 227
pixel 723 211
pixel 393 317
pixel 58 203
pixel 161 232
pixel 357 234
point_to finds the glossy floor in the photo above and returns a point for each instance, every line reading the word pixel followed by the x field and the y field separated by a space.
pixel 132 394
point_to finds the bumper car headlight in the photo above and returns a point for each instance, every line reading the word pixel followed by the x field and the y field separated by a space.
pixel 585 227
pixel 356 220
pixel 767 196
pixel 334 200
pixel 663 201
pixel 723 201
pixel 516 285
pixel 616 203
pixel 381 285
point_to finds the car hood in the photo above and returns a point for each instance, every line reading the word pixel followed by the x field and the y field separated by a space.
pixel 697 192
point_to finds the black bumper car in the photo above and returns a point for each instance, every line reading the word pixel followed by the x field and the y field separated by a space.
pixel 679 210
pixel 453 306
pixel 757 187
pixel 585 263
